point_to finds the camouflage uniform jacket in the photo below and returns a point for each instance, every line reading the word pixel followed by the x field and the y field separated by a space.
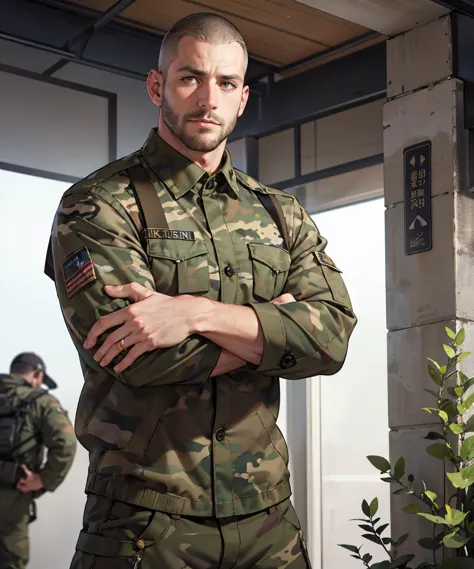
pixel 163 434
pixel 46 426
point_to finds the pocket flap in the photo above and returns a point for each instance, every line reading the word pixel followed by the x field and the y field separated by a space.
pixel 175 250
pixel 274 257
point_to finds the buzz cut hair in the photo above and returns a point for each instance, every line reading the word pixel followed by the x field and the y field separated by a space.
pixel 205 26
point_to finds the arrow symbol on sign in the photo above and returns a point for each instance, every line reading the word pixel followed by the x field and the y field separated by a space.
pixel 413 161
pixel 422 160
pixel 423 223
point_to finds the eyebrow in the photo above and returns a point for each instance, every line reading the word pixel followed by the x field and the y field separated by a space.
pixel 201 73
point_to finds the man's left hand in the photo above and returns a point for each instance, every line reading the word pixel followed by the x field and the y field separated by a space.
pixel 31 483
pixel 154 321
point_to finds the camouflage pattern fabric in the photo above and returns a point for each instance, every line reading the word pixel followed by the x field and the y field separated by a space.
pixel 120 536
pixel 162 434
pixel 46 418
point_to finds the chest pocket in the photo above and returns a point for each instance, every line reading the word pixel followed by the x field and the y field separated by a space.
pixel 270 266
pixel 179 267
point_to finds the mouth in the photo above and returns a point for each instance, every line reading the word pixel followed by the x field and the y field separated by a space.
pixel 204 122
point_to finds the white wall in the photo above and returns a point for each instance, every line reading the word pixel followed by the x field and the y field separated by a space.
pixel 350 413
pixel 32 321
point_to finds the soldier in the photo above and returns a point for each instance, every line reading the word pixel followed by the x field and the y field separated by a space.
pixel 31 420
pixel 188 288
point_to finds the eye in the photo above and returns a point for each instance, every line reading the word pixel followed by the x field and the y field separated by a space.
pixel 228 86
pixel 188 80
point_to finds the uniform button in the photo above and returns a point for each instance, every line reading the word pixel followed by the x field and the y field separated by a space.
pixel 140 544
pixel 211 184
pixel 288 360
pixel 220 435
pixel 229 271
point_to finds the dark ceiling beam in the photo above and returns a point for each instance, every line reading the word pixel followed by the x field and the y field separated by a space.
pixel 353 80
pixel 79 42
pixel 463 6
pixel 115 47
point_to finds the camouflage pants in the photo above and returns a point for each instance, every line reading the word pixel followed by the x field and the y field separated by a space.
pixel 121 536
pixel 14 545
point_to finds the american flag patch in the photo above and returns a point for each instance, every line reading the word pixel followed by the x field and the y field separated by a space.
pixel 78 271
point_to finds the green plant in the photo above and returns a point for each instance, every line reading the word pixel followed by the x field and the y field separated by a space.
pixel 452 522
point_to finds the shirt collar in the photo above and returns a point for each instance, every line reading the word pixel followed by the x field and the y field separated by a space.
pixel 178 172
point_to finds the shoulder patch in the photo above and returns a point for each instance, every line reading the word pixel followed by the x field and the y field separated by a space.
pixel 78 271
pixel 326 260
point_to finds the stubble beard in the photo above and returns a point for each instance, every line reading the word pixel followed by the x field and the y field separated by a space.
pixel 203 141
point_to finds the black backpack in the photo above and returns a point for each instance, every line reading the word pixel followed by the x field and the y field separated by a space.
pixel 13 412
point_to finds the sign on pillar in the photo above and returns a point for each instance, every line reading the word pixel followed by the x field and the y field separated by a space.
pixel 417 161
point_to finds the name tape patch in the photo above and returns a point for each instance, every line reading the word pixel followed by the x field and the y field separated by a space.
pixel 326 260
pixel 78 271
pixel 176 234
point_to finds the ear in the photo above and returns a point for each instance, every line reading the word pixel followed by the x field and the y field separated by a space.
pixel 154 85
pixel 39 376
pixel 243 102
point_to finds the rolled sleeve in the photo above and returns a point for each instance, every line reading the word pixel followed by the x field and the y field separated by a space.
pixel 274 336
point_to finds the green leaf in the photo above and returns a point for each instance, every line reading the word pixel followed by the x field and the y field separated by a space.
pixel 433 393
pixel 365 527
pixel 431 497
pixel 469 427
pixel 352 548
pixel 387 540
pixel 413 509
pixel 448 406
pixel 431 518
pixel 428 543
pixel 460 337
pixel 365 508
pixel 439 451
pixel 371 537
pixel 399 469
pixel 381 565
pixel 459 390
pixel 380 463
pixel 401 561
pixel 381 529
pixel 462 479
pixel 467 449
pixel 443 369
pixel 390 480
pixel 463 355
pixel 450 333
pixel 449 351
pixel 400 491
pixel 432 436
pixel 435 375
pixel 455 541
pixel 436 364
pixel 374 506
pixel 463 377
pixel 467 403
pixel 444 416
pixel 402 539
pixel 454 517
pixel 456 428
pixel 367 558
pixel 469 383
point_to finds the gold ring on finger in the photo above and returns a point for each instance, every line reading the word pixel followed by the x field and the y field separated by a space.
pixel 121 346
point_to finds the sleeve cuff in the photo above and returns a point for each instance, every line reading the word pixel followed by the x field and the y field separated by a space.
pixel 274 336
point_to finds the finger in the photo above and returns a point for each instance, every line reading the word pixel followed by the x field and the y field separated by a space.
pixel 112 339
pixel 135 291
pixel 102 325
pixel 132 355
pixel 114 351
pixel 27 471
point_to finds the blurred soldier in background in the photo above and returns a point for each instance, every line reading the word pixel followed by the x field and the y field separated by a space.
pixel 31 421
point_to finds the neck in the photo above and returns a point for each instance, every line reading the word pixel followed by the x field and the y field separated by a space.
pixel 209 161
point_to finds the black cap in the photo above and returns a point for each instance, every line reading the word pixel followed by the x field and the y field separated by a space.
pixel 36 364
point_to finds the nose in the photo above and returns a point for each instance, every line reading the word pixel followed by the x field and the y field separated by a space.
pixel 208 96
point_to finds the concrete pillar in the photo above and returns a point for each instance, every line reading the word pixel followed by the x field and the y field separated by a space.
pixel 430 290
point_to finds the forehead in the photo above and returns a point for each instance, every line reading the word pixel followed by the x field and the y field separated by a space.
pixel 209 57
